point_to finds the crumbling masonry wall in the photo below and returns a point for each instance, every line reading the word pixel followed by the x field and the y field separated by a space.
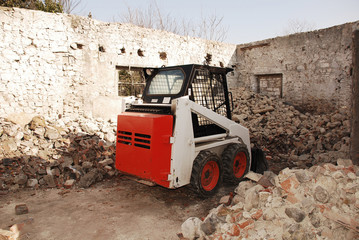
pixel 315 67
pixel 64 65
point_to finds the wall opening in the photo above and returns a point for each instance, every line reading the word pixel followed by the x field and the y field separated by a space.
pixel 131 81
pixel 140 53
pixel 208 58
pixel 101 49
pixel 163 55
pixel 270 84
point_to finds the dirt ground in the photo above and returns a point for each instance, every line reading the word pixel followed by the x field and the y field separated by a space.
pixel 114 209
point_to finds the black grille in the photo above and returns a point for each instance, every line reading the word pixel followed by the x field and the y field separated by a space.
pixel 138 139
pixel 151 109
pixel 208 91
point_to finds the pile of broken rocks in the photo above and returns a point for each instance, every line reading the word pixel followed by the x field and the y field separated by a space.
pixel 292 138
pixel 321 202
pixel 38 153
pixel 64 152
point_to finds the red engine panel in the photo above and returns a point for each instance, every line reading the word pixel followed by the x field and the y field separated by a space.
pixel 143 147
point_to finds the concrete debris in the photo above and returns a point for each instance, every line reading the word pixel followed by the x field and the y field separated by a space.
pixel 295 213
pixel 309 203
pixel 69 183
pixel 226 200
pixel 89 178
pixel 38 153
pixel 21 209
pixel 191 228
pixel 17 231
pixel 254 176
pixel 292 138
pixel 49 154
pixel 8 235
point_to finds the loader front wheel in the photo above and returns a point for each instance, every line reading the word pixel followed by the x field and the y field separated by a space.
pixel 206 173
pixel 235 162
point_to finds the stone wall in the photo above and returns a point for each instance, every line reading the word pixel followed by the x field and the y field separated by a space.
pixel 65 65
pixel 59 64
pixel 316 67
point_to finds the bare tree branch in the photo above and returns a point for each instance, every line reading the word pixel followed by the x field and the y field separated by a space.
pixel 69 5
pixel 210 27
pixel 297 26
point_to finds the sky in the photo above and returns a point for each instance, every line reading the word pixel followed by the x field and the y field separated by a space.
pixel 246 20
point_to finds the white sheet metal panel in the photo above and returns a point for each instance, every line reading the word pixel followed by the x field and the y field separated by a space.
pixel 184 150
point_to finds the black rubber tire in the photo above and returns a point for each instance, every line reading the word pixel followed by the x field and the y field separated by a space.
pixel 230 174
pixel 205 158
pixel 259 162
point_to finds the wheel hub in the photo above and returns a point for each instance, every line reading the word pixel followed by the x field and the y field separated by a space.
pixel 210 175
pixel 239 164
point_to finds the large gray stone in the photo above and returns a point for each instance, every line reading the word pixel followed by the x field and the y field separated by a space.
pixel 52 133
pixel 90 127
pixel 303 176
pixel 297 232
pixel 209 225
pixel 33 182
pixel 268 179
pixel 21 119
pixel 39 131
pixel 297 214
pixel 191 228
pixel 321 195
pixel 344 162
pixel 90 178
pixel 252 197
pixel 49 181
pixel 21 179
pixel 243 187
pixel 21 209
pixel 328 183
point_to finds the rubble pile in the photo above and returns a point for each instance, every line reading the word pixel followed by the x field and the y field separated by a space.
pixel 39 153
pixel 290 137
pixel 321 202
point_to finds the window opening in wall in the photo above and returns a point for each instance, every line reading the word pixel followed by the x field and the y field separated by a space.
pixel 131 81
pixel 270 84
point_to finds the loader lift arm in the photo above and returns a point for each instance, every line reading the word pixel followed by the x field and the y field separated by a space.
pixel 183 108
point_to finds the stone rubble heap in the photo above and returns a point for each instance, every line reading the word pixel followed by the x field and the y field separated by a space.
pixel 42 153
pixel 292 138
pixel 39 153
pixel 317 203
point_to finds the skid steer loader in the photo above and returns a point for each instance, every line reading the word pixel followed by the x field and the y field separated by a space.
pixel 183 133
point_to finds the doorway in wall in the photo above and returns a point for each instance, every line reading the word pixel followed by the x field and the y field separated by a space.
pixel 270 84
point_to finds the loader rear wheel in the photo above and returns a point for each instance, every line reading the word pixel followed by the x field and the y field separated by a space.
pixel 235 162
pixel 206 173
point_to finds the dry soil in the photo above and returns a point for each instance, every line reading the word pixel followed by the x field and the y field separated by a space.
pixel 114 209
